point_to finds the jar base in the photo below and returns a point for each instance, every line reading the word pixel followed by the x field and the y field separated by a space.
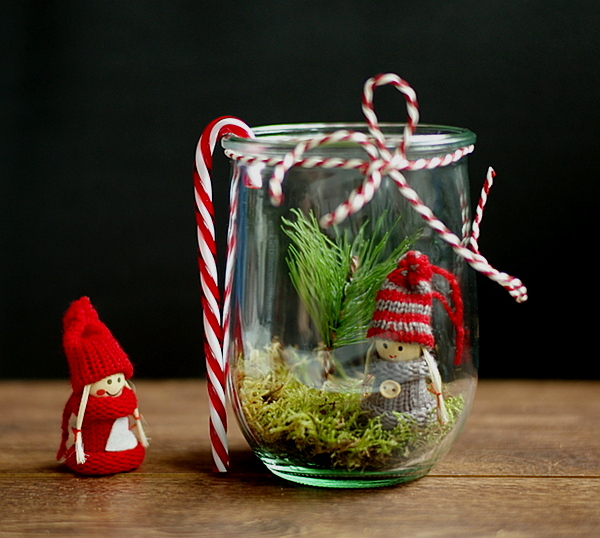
pixel 345 479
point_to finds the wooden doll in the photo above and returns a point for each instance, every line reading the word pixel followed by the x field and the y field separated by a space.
pixel 97 436
pixel 405 374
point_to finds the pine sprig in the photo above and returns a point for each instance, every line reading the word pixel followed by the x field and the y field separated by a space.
pixel 318 271
pixel 337 280
pixel 372 268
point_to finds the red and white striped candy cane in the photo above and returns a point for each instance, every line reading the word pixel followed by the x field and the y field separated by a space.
pixel 216 367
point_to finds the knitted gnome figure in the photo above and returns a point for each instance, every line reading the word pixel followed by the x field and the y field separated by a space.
pixel 102 408
pixel 401 362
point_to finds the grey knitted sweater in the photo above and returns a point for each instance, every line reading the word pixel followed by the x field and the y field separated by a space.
pixel 413 399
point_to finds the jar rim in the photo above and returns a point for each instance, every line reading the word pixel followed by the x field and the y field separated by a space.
pixel 428 138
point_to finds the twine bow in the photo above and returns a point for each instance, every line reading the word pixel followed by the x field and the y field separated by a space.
pixel 381 162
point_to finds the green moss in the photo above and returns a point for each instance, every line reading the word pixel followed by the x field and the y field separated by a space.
pixel 327 427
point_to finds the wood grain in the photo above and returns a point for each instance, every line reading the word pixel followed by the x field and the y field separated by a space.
pixel 526 464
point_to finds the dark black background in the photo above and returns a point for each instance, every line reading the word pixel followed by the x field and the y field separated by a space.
pixel 103 102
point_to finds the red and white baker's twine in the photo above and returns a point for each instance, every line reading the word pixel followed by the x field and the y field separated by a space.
pixel 380 162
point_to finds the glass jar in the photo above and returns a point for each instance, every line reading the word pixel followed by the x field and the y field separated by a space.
pixel 317 393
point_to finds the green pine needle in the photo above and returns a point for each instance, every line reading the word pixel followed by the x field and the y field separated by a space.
pixel 337 281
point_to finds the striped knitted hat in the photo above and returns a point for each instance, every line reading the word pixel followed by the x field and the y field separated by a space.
pixel 91 349
pixel 403 304
pixel 403 307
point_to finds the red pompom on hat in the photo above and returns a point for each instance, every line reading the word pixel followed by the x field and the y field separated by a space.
pixel 91 349
pixel 403 307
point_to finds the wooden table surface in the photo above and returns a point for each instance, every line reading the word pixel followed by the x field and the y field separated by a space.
pixel 526 464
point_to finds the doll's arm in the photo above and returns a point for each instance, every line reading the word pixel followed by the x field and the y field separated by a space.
pixel 79 453
pixel 138 421
pixel 436 380
pixel 140 428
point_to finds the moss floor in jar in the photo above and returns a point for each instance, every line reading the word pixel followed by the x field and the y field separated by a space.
pixel 305 433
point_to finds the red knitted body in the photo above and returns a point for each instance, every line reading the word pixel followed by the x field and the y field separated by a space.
pixel 100 415
pixel 105 463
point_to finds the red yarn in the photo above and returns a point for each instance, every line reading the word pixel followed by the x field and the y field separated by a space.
pixel 93 354
pixel 99 464
pixel 455 314
pixel 91 349
pixel 100 415
pixel 413 268
pixel 404 304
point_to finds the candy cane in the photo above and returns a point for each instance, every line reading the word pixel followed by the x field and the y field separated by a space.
pixel 216 367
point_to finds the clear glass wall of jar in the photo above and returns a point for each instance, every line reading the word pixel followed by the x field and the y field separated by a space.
pixel 315 392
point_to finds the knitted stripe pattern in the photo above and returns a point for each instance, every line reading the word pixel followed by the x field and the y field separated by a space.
pixel 100 415
pixel 403 314
pixel 92 351
pixel 404 303
pixel 414 398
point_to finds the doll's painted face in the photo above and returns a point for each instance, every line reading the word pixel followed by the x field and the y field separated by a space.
pixel 397 351
pixel 109 386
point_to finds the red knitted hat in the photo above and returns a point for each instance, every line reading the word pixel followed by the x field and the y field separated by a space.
pixel 403 307
pixel 91 350
pixel 404 303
